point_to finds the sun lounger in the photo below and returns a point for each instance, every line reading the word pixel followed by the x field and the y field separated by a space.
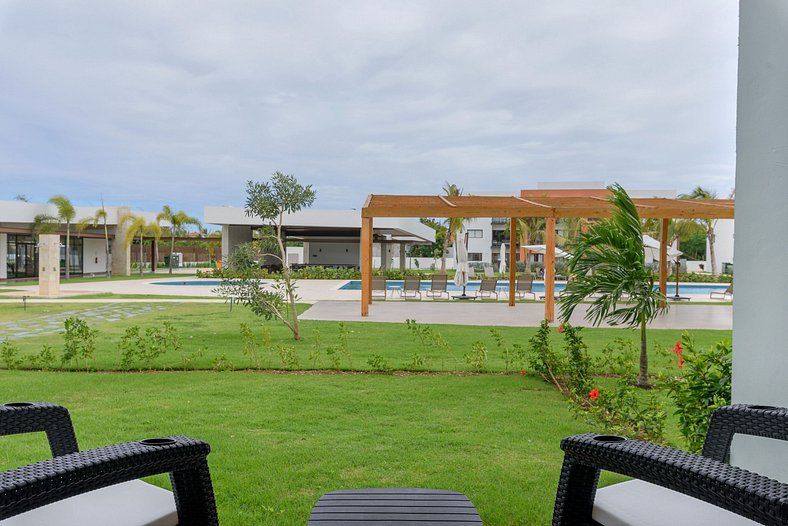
pixel 379 287
pixel 524 285
pixel 487 288
pixel 438 286
pixel 411 287
pixel 726 294
pixel 488 271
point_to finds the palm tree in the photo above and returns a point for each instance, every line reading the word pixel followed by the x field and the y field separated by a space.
pixel 93 221
pixel 453 224
pixel 530 230
pixel 609 260
pixel 177 220
pixel 137 227
pixel 65 214
pixel 708 224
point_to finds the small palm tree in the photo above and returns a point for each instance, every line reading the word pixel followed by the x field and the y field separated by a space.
pixel 177 220
pixel 66 214
pixel 137 227
pixel 453 224
pixel 708 224
pixel 609 260
pixel 99 217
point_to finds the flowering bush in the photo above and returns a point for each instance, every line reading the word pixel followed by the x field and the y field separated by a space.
pixel 702 385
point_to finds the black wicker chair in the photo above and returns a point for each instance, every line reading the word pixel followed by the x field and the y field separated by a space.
pixel 83 487
pixel 673 487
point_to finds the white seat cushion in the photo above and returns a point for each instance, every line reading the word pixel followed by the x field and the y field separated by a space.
pixel 134 503
pixel 638 503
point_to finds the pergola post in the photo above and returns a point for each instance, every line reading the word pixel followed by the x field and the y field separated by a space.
pixel 512 259
pixel 402 256
pixel 549 271
pixel 366 264
pixel 663 257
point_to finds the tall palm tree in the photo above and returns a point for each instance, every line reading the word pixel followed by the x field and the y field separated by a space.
pixel 453 224
pixel 609 260
pixel 708 224
pixel 65 214
pixel 177 220
pixel 137 227
pixel 530 230
pixel 93 221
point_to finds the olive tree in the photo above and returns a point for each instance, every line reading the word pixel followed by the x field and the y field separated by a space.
pixel 270 201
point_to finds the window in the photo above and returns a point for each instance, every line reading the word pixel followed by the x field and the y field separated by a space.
pixel 475 233
pixel 474 256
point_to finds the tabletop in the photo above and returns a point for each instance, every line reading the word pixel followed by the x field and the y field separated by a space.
pixel 389 506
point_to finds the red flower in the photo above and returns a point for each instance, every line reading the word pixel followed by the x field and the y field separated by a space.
pixel 522 373
pixel 677 349
pixel 681 362
pixel 593 394
pixel 560 328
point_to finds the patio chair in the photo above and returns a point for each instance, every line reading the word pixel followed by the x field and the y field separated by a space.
pixel 488 271
pixel 487 288
pixel 438 286
pixel 471 273
pixel 726 294
pixel 671 486
pixel 379 287
pixel 100 486
pixel 524 285
pixel 412 287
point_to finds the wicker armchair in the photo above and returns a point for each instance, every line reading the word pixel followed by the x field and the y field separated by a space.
pixel 100 486
pixel 673 487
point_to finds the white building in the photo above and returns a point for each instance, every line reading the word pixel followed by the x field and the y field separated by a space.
pixel 329 237
pixel 18 244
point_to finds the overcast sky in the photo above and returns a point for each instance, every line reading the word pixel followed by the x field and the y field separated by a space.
pixel 180 102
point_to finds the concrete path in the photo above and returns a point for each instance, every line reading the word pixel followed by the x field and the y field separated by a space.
pixel 521 315
pixel 53 323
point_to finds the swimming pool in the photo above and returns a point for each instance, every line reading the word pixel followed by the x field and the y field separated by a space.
pixel 684 288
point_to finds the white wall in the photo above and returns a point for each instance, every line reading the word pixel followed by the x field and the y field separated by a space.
pixel 3 256
pixel 94 256
pixel 760 360
pixel 723 244
pixel 483 244
pixel 333 253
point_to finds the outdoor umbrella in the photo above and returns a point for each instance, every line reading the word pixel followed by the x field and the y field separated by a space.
pixel 460 263
pixel 541 249
pixel 502 264
pixel 652 246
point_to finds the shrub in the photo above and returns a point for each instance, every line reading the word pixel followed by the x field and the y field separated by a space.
pixel 250 345
pixel 9 353
pixel 289 357
pixel 378 363
pixel 624 410
pixel 137 347
pixel 477 357
pixel 514 356
pixel 221 363
pixel 704 384
pixel 79 341
pixel 430 340
pixel 45 359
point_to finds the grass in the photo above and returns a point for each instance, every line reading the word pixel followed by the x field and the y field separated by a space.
pixel 279 441
pixel 213 330
pixel 132 276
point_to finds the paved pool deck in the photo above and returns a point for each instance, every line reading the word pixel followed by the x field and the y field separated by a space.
pixel 679 316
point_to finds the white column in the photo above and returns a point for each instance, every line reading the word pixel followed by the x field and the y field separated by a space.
pixel 3 256
pixel 49 265
pixel 760 360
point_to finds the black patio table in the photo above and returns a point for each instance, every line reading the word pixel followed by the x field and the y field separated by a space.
pixel 400 506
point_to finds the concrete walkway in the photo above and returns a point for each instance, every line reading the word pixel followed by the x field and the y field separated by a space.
pixel 718 317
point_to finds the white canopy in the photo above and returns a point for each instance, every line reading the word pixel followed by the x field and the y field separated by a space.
pixel 653 246
pixel 541 249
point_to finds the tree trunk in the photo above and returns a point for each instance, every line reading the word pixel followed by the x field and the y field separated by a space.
pixel 172 248
pixel 288 280
pixel 712 256
pixel 445 251
pixel 643 376
pixel 527 252
pixel 142 255
pixel 68 242
pixel 106 250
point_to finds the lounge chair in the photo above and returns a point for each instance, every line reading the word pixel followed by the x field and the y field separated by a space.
pixel 487 288
pixel 101 486
pixel 411 287
pixel 524 285
pixel 471 273
pixel 379 287
pixel 673 487
pixel 438 286
pixel 488 271
pixel 726 294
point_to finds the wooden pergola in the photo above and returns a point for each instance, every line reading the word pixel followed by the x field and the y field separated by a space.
pixel 551 205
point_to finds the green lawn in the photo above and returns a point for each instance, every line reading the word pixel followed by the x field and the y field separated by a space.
pixel 213 330
pixel 281 440
pixel 132 276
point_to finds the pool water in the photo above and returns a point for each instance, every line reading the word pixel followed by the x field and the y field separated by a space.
pixel 688 288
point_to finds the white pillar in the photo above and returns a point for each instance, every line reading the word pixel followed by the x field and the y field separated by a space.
pixel 49 265
pixel 3 256
pixel 232 236
pixel 760 360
